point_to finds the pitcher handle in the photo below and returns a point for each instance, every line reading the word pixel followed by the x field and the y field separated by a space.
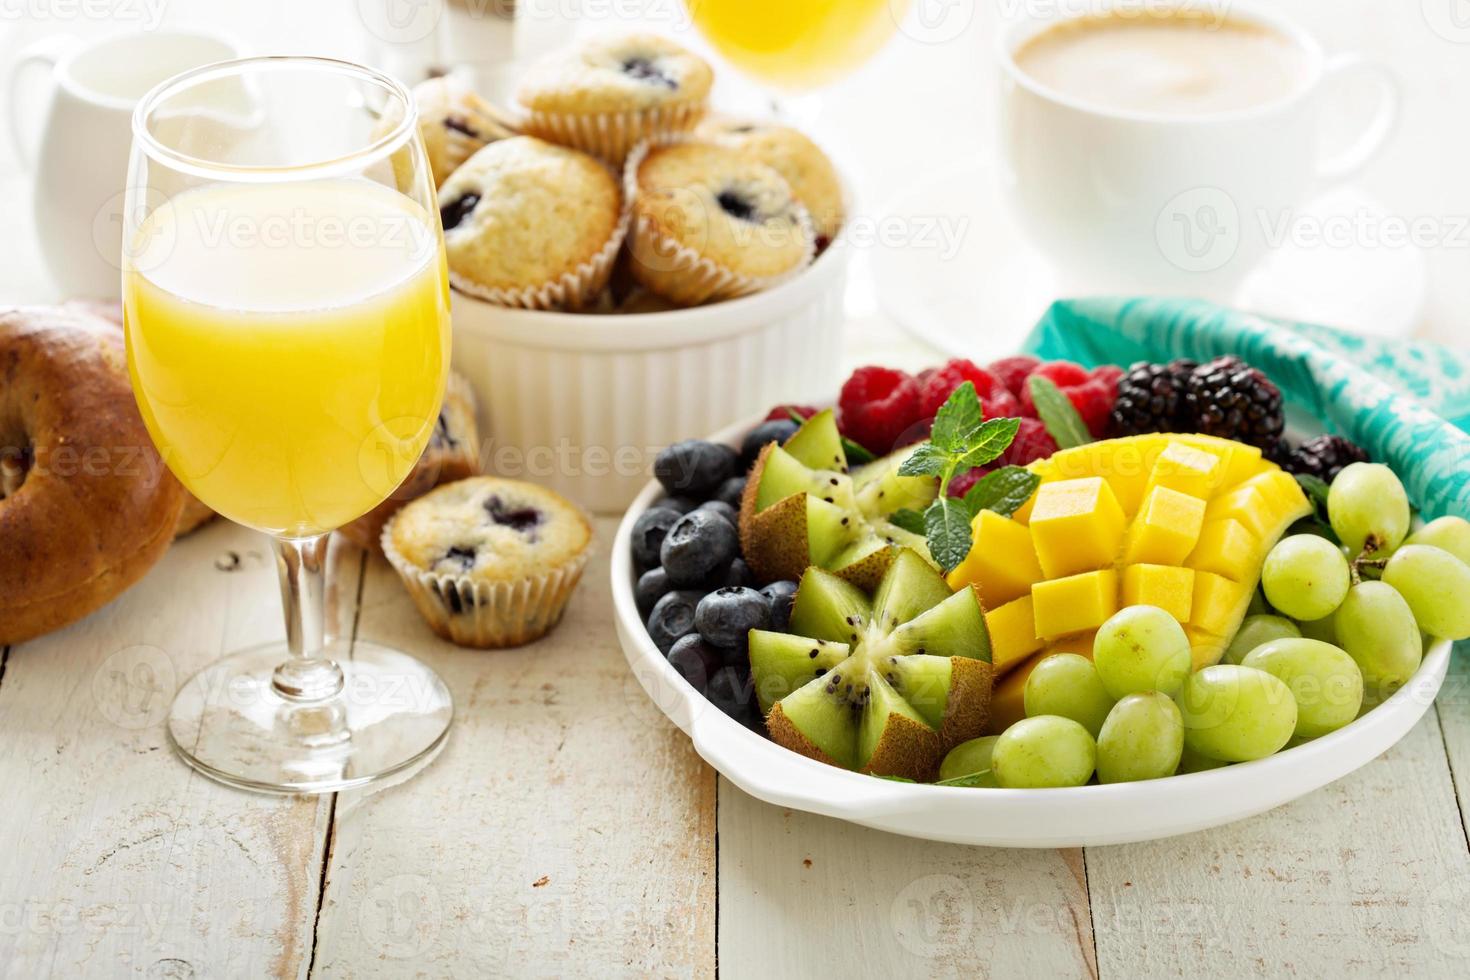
pixel 47 51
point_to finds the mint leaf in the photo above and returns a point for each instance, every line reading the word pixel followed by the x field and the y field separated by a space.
pixel 987 442
pixel 947 528
pixel 957 418
pixel 1057 413
pixel 1316 489
pixel 1005 491
pixel 856 454
pixel 927 459
pixel 908 519
pixel 975 779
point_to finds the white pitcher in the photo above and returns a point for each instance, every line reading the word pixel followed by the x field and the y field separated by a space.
pixel 80 161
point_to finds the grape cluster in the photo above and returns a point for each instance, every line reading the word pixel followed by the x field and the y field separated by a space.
pixel 1343 624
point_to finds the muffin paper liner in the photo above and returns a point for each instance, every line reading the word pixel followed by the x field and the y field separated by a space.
pixel 487 615
pixel 611 135
pixel 573 290
pixel 689 277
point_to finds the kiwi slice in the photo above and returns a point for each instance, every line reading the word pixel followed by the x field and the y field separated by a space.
pixel 801 508
pixel 889 682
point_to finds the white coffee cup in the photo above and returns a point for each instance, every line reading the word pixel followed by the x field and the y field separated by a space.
pixel 1128 201
pixel 80 160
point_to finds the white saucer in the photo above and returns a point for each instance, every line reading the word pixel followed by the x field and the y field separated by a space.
pixel 980 297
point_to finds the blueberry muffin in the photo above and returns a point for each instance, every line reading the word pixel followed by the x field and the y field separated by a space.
pixel 531 224
pixel 489 562
pixel 711 224
pixel 455 122
pixel 453 454
pixel 791 154
pixel 607 94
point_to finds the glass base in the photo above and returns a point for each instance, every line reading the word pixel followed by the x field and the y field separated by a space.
pixel 230 722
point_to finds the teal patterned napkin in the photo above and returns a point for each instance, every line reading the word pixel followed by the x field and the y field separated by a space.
pixel 1406 403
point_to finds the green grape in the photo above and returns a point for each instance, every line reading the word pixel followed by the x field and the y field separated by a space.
pixel 1325 681
pixel 1257 630
pixel 1236 713
pixel 1305 576
pixel 1044 751
pixel 1067 684
pixel 1436 585
pixel 1376 626
pixel 1450 533
pixel 1142 739
pixel 1367 501
pixel 1324 629
pixel 1142 648
pixel 968 758
pixel 1192 761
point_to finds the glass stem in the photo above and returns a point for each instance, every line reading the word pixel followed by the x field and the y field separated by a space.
pixel 307 675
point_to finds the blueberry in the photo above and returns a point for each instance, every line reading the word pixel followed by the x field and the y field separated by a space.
pixel 451 214
pixel 723 509
pixel 776 430
pixel 698 544
pixel 731 692
pixel 731 491
pixel 672 618
pixel 725 616
pixel 649 532
pixel 737 205
pixel 652 586
pixel 695 467
pixel 682 505
pixel 695 660
pixel 738 573
pixel 780 595
pixel 646 71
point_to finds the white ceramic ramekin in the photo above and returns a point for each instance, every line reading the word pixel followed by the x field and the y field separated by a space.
pixel 581 403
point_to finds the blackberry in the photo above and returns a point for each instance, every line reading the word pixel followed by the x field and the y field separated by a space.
pixel 1325 457
pixel 1232 400
pixel 1151 399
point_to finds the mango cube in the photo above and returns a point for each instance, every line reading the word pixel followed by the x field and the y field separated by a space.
pixel 1002 562
pixel 1012 633
pixel 1187 469
pixel 1007 700
pixel 1206 649
pixel 1075 603
pixel 1241 461
pixel 1078 643
pixel 1287 499
pixel 1226 548
pixel 1023 513
pixel 1166 529
pixel 1124 463
pixel 1217 601
pixel 1167 586
pixel 1076 525
pixel 1246 504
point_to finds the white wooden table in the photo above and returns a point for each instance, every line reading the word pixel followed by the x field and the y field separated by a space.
pixel 569 830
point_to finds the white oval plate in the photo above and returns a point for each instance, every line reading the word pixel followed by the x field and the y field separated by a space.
pixel 1088 815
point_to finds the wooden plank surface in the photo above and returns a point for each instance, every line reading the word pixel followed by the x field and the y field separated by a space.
pixel 804 896
pixel 1367 877
pixel 567 829
pixel 118 859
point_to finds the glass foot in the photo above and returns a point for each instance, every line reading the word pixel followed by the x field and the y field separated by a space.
pixel 229 722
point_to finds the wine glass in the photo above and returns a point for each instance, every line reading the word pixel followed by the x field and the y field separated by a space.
pixel 287 313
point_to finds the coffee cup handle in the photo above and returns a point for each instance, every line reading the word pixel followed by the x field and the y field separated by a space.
pixel 1356 155
pixel 45 52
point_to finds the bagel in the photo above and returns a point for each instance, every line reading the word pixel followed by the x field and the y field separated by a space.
pixel 86 504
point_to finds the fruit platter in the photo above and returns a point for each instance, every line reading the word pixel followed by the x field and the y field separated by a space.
pixel 1032 604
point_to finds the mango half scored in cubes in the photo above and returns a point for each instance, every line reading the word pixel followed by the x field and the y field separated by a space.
pixel 1182 522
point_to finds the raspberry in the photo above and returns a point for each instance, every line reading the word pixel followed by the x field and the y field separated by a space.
pixel 1092 397
pixel 1110 375
pixel 783 412
pixel 961 483
pixel 876 405
pixel 1032 442
pixel 1013 371
pixel 995 399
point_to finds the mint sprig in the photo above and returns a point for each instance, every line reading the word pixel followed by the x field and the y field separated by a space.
pixel 1057 413
pixel 1004 491
pixel 961 439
